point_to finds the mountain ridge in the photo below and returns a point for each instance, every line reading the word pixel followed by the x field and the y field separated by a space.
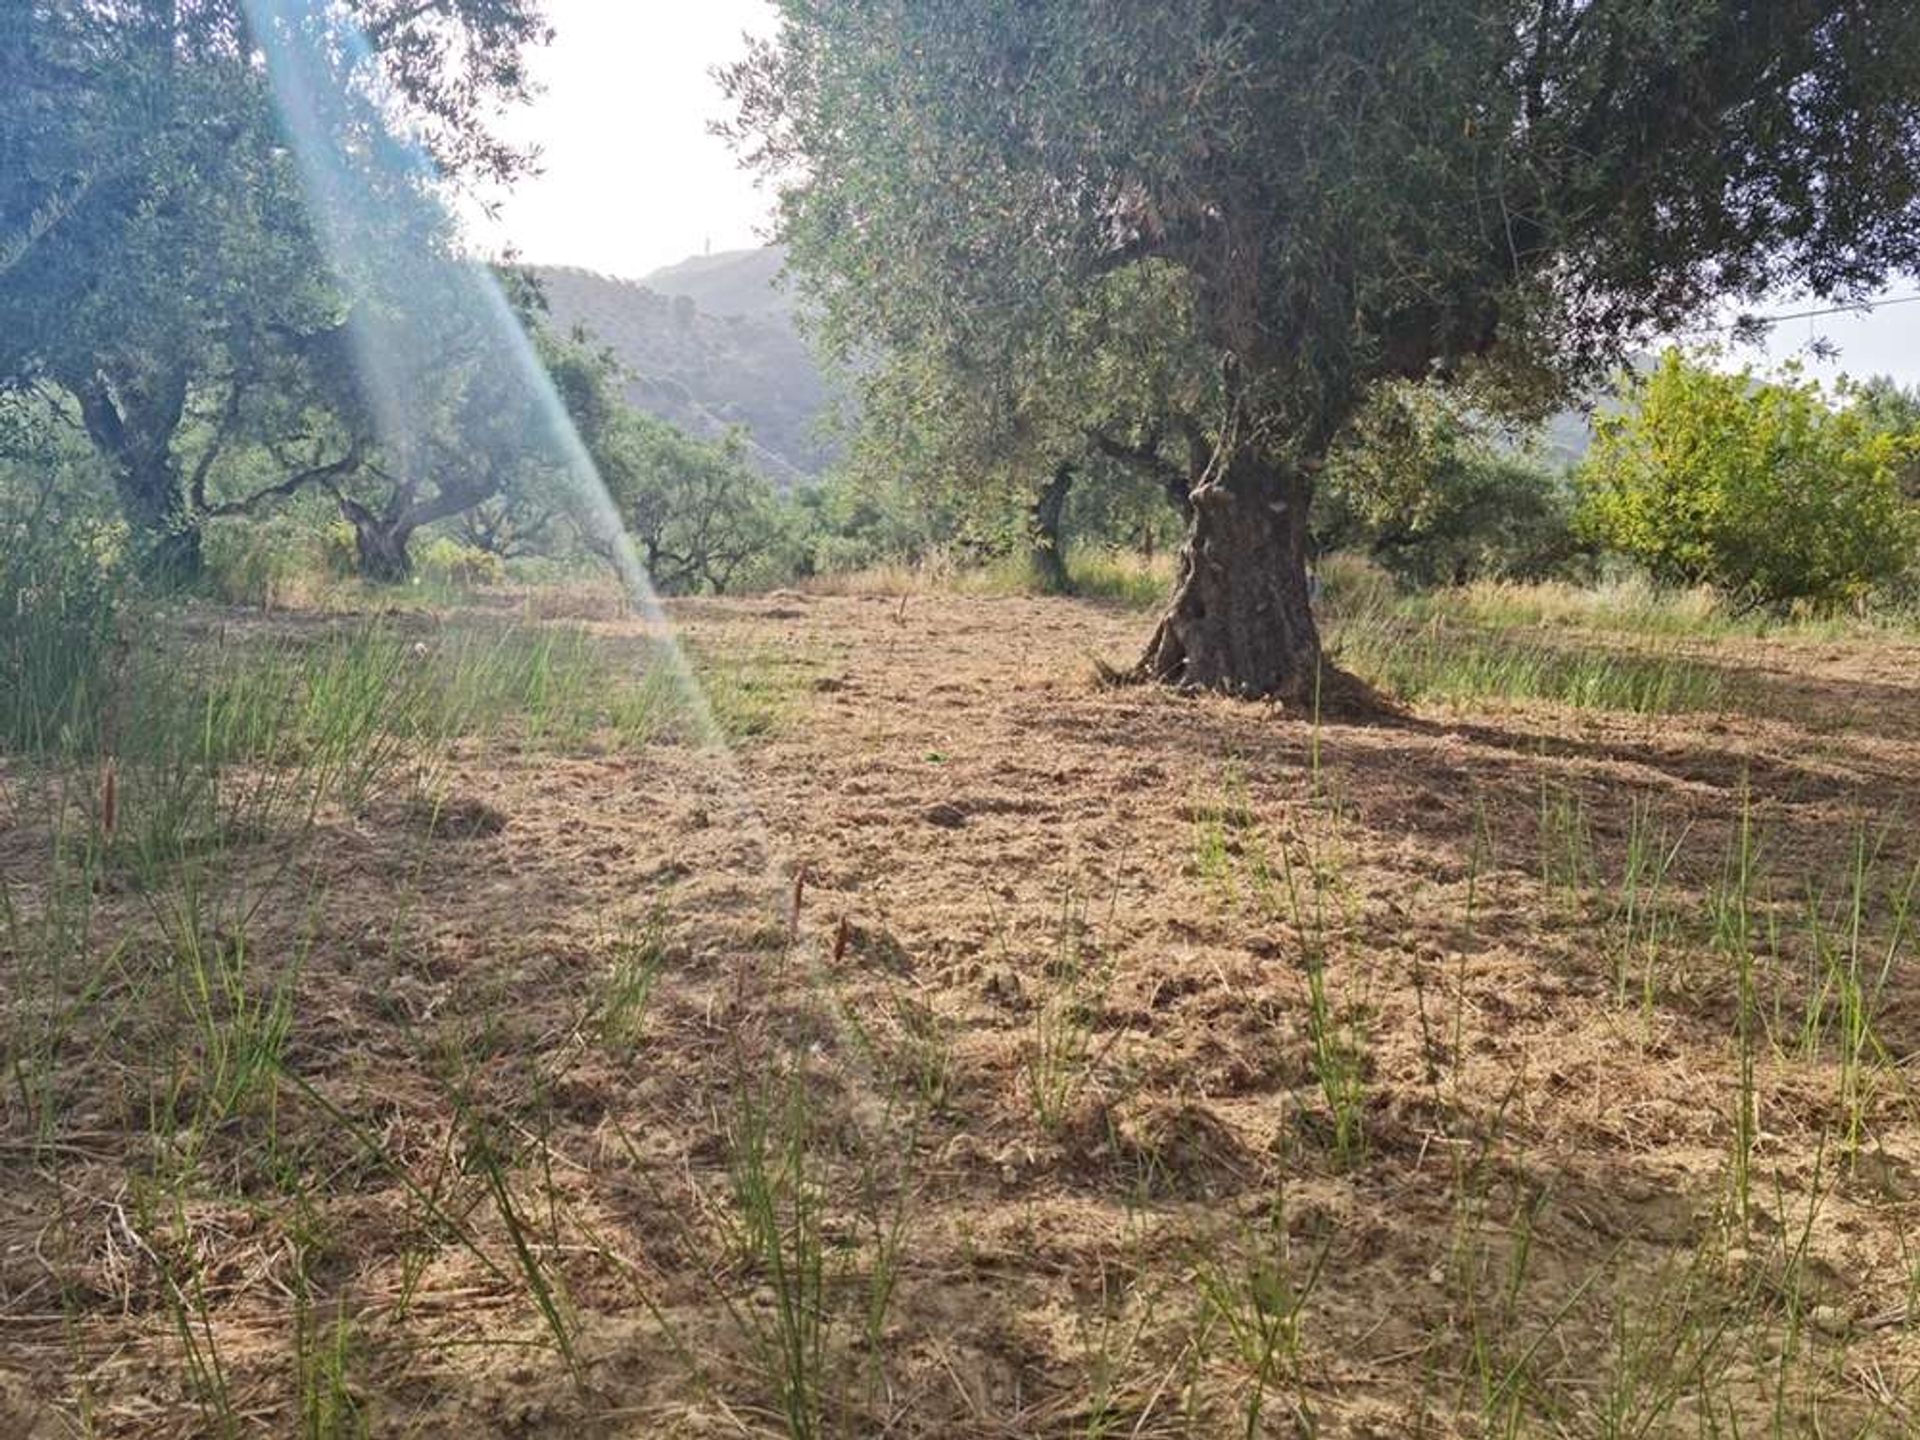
pixel 730 282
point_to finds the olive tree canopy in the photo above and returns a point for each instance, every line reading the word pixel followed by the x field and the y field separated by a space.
pixel 1354 191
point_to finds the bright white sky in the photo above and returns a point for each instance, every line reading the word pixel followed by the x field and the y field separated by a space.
pixel 631 180
pixel 1883 342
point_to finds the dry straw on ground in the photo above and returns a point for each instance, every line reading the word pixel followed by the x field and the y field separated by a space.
pixel 1126 1064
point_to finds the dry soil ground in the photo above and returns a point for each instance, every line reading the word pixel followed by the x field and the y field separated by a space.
pixel 983 1052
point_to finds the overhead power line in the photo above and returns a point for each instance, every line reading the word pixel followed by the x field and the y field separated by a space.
pixel 1859 307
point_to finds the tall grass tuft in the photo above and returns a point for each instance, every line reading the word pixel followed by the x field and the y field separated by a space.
pixel 1060 1053
pixel 1639 922
pixel 781 1204
pixel 1733 912
pixel 1260 1302
pixel 1443 660
pixel 1306 895
pixel 59 635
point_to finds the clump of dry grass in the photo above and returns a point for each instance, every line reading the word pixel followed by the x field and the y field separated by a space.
pixel 937 572
pixel 1629 602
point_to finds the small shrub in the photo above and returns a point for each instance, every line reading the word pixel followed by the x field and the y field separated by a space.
pixel 1421 488
pixel 273 563
pixel 445 561
pixel 339 554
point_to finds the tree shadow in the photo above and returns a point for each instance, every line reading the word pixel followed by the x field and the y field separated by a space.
pixel 1446 795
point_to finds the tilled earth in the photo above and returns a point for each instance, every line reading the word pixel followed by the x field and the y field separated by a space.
pixel 1116 1062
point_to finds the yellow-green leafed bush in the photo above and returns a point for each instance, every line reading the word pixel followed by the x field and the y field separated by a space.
pixel 448 562
pixel 1762 489
pixel 338 551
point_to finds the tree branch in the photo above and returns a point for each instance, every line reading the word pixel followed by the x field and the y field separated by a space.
pixel 229 419
pixel 1145 458
pixel 449 500
pixel 323 475
pixel 100 416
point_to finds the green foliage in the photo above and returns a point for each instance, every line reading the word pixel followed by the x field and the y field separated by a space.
pixel 946 161
pixel 277 559
pixel 511 526
pixel 698 512
pixel 1888 408
pixel 59 586
pixel 1016 443
pixel 1332 196
pixel 1758 488
pixel 1425 492
pixel 59 600
pixel 985 415
pixel 447 561
pixel 160 262
pixel 468 413
pixel 928 423
pixel 1118 506
pixel 1463 664
pixel 853 520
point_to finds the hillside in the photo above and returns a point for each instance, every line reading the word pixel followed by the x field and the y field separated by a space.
pixel 1567 436
pixel 734 282
pixel 708 370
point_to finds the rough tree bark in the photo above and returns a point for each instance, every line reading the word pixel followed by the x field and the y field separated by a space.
pixel 168 530
pixel 1241 617
pixel 1048 551
pixel 381 538
pixel 381 542
pixel 383 552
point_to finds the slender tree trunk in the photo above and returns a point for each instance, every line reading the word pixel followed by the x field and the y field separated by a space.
pixel 1049 551
pixel 1241 620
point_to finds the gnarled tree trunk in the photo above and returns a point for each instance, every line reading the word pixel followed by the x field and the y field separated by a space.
pixel 380 541
pixel 167 530
pixel 381 537
pixel 383 553
pixel 133 425
pixel 1241 617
